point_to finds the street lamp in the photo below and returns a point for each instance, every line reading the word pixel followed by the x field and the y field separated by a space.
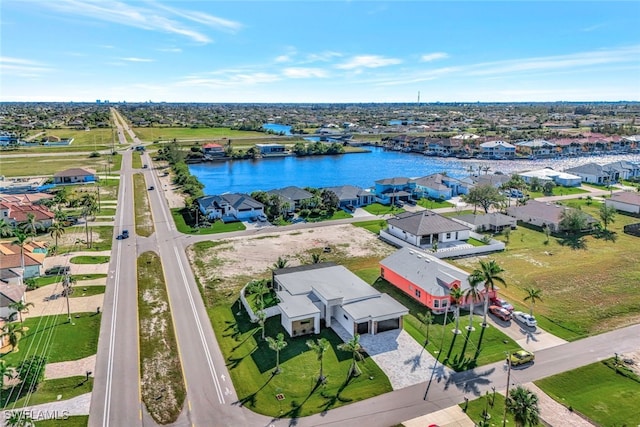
pixel 506 393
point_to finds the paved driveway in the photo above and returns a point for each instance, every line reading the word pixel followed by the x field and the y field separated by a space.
pixel 531 339
pixel 401 358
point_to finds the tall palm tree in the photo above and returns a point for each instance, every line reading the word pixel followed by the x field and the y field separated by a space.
pixel 32 225
pixel 277 345
pixel 471 295
pixel 533 295
pixel 56 231
pixel 607 215
pixel 13 332
pixel 426 318
pixel 262 318
pixel 456 295
pixel 353 346
pixel 260 289
pixel 89 207
pixel 6 229
pixel 489 273
pixel 20 238
pixel 21 307
pixel 523 405
pixel 320 346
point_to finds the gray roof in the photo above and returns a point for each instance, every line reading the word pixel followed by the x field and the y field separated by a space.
pixel 495 180
pixel 380 306
pixel 425 222
pixel 628 197
pixel 238 200
pixel 436 181
pixel 549 212
pixel 347 192
pixel 394 181
pixel 589 168
pixel 494 218
pixel 426 271
pixel 296 305
pixel 75 172
pixel 292 193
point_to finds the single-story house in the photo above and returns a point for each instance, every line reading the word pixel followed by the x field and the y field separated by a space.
pixel 390 190
pixel 271 149
pixel 494 221
pixel 11 260
pixel 592 173
pixel 11 290
pixel 213 150
pixel 624 169
pixel 544 213
pixel 330 292
pixel 563 179
pixel 626 201
pixel 422 229
pixel 350 195
pixel 74 176
pixel 295 196
pixel 493 179
pixel 425 278
pixel 230 207
pixel 439 186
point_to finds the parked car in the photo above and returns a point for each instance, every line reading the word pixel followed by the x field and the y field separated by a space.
pixel 350 208
pixel 521 357
pixel 262 218
pixel 144 166
pixel 502 303
pixel 124 235
pixel 500 312
pixel 525 318
pixel 57 270
pixel 412 202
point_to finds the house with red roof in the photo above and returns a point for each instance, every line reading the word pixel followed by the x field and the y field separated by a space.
pixel 18 213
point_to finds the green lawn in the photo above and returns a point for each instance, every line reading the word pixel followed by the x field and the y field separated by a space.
pixel 106 212
pixel 136 160
pixel 460 352
pixel 379 209
pixel 251 362
pixel 574 305
pixel 339 214
pixel 475 410
pixel 597 391
pixel 168 134
pixel 557 191
pixel 434 204
pixel 270 300
pixel 74 421
pixel 87 291
pixel 66 341
pixel 48 165
pixel 50 390
pixel 185 224
pixel 90 259
pixel 144 218
pixel 160 368
pixel 48 280
pixel 373 226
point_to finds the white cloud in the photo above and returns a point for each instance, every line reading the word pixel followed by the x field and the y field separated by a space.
pixel 367 61
pixel 433 56
pixel 170 50
pixel 303 73
pixel 22 67
pixel 238 79
pixel 322 56
pixel 134 59
pixel 204 18
pixel 283 58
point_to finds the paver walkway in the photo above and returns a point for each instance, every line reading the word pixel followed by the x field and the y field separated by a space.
pixel 452 416
pixel 48 300
pixel 79 268
pixel 78 405
pixel 70 368
pixel 554 413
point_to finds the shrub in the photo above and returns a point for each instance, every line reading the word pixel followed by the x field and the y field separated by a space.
pixel 31 372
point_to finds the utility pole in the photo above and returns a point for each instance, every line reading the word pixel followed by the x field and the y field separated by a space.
pixel 444 323
pixel 66 288
pixel 506 393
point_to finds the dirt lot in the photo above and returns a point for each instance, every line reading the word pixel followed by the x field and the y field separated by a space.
pixel 236 259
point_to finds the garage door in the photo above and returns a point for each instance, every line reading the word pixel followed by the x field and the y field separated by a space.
pixel 388 325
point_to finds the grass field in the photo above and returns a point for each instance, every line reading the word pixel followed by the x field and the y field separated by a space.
pixel 144 218
pixel 55 389
pixel 73 421
pixel 434 204
pixel 339 214
pixel 597 391
pixel 168 134
pixel 379 209
pixel 48 280
pixel 48 165
pixel 185 224
pixel 160 369
pixel 90 259
pixel 558 191
pixel 585 291
pixel 476 408
pixel 373 226
pixel 136 160
pixel 87 291
pixel 65 341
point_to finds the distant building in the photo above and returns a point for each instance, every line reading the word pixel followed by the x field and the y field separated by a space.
pixel 626 201
pixel 271 149
pixel 75 176
pixel 213 150
pixel 559 178
pixel 230 207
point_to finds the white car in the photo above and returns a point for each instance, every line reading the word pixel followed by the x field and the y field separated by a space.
pixel 525 318
pixel 262 218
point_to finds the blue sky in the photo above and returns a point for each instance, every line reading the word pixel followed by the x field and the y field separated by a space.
pixel 326 51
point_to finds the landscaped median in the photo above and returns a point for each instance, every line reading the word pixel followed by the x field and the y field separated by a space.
pixel 144 219
pixel 163 389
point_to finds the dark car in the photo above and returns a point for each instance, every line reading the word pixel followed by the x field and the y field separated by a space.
pixel 144 166
pixel 57 270
pixel 124 235
pixel 151 187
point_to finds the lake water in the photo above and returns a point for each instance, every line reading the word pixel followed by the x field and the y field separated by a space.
pixel 361 169
pixel 277 128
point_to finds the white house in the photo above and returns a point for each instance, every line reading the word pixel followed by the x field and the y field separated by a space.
pixel 497 150
pixel 230 207
pixel 423 229
pixel 330 292
pixel 559 178
pixel 626 201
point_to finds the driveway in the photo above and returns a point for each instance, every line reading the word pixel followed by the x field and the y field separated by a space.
pixel 399 356
pixel 78 268
pixel 531 339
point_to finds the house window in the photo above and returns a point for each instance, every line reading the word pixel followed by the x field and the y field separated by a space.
pixel 418 293
pixel 448 236
pixel 436 303
pixel 345 317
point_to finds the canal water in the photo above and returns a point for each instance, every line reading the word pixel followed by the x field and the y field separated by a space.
pixel 361 169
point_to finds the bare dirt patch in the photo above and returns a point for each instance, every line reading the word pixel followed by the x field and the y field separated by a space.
pixel 233 260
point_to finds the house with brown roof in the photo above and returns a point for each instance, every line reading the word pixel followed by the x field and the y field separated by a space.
pixel 626 201
pixel 426 228
pixel 11 260
pixel 11 290
pixel 494 221
pixel 17 213
pixel 75 176
pixel 544 213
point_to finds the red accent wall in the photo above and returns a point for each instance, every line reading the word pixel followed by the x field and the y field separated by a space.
pixel 403 284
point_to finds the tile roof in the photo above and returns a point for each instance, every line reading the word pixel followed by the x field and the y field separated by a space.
pixel 628 197
pixel 75 172
pixel 425 222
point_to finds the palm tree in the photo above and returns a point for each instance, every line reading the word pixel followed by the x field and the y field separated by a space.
pixel 32 225
pixel 607 215
pixel 20 239
pixel 6 229
pixel 533 295
pixel 353 346
pixel 489 273
pixel 56 231
pixel 280 263
pixel 262 317
pixel 89 207
pixel 523 405
pixel 471 295
pixel 426 319
pixel 260 289
pixel 13 332
pixel 456 295
pixel 316 258
pixel 5 371
pixel 21 307
pixel 276 345
pixel 320 346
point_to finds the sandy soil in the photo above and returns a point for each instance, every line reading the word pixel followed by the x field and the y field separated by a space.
pixel 174 198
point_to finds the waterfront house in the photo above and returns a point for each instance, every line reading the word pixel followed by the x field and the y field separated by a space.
pixel 294 196
pixel 568 146
pixel 330 292
pixel 624 169
pixel 563 179
pixel 591 173
pixel 494 180
pixel 390 190
pixel 626 201
pixel 544 213
pixel 350 195
pixel 426 278
pixel 271 149
pixel 536 148
pixel 497 150
pixel 213 150
pixel 439 186
pixel 494 222
pixel 75 176
pixel 230 207
pixel 426 228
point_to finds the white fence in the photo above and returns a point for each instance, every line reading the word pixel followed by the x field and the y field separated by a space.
pixel 269 312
